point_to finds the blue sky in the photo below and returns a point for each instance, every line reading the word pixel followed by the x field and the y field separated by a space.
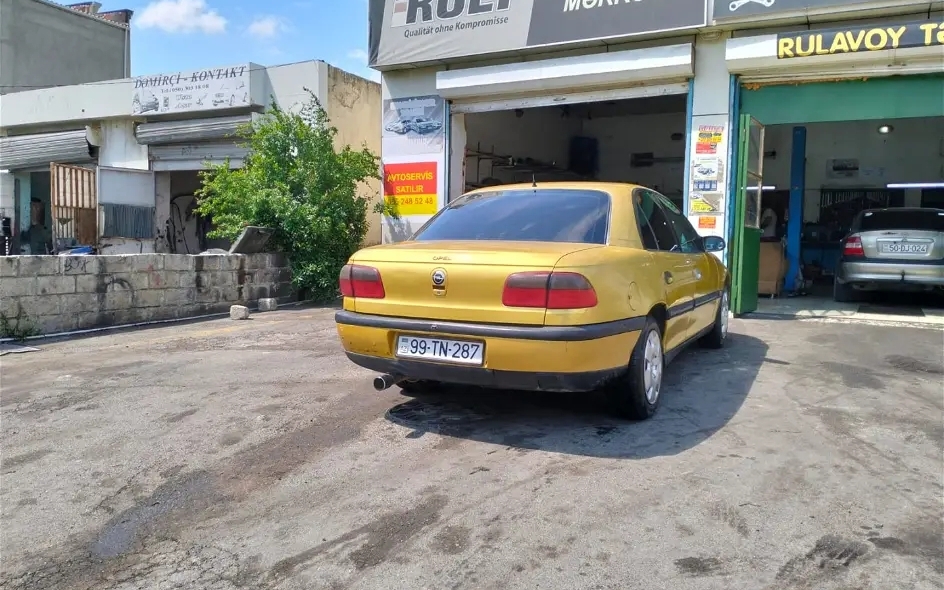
pixel 171 35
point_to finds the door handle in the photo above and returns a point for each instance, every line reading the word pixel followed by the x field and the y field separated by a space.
pixel 668 278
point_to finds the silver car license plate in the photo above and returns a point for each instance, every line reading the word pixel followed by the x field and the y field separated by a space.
pixel 902 248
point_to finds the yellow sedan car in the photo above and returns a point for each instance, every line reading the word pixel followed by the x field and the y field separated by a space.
pixel 546 286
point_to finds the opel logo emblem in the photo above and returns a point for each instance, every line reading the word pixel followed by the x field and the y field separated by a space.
pixel 439 277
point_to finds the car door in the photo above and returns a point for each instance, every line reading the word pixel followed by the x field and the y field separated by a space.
pixel 676 267
pixel 705 276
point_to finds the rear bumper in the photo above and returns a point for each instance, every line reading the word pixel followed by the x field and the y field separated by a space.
pixel 888 274
pixel 482 377
pixel 540 358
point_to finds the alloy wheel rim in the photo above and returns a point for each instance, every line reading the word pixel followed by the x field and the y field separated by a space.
pixel 724 314
pixel 652 368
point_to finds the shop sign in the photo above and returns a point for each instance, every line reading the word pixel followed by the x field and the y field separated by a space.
pixel 414 126
pixel 744 9
pixel 184 92
pixel 411 31
pixel 860 39
pixel 412 188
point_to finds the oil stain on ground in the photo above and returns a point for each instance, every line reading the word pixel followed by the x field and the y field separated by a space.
pixel 381 537
pixel 830 554
pixel 698 566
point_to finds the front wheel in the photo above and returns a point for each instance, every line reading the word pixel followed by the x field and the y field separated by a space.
pixel 636 395
pixel 719 331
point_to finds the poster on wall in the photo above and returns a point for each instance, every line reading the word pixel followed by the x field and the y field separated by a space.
pixel 706 174
pixel 705 204
pixel 707 222
pixel 412 188
pixel 184 92
pixel 414 126
pixel 709 138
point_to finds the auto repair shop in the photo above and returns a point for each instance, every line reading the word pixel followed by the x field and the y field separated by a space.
pixel 480 93
pixel 843 124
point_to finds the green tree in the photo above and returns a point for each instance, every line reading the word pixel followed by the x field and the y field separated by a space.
pixel 294 181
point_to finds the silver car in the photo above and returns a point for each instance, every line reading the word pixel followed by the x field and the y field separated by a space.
pixel 900 249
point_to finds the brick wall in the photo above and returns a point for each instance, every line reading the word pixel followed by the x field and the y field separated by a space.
pixel 65 293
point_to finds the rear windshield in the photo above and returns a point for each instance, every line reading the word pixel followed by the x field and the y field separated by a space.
pixel 523 215
pixel 929 219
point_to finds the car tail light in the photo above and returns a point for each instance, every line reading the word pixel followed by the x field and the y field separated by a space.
pixel 853 246
pixel 550 290
pixel 361 281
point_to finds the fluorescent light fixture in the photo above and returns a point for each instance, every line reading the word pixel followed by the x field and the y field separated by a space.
pixel 763 188
pixel 915 185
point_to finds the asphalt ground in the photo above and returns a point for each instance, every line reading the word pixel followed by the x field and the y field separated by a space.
pixel 252 454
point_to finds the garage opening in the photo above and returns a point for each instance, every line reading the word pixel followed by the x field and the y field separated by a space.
pixel 186 230
pixel 820 253
pixel 638 140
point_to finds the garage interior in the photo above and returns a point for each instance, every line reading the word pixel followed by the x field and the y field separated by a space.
pixel 185 231
pixel 639 140
pixel 850 166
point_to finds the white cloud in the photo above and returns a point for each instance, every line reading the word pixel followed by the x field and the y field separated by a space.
pixel 358 55
pixel 181 16
pixel 266 27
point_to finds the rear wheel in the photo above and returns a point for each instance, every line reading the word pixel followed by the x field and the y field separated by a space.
pixel 636 395
pixel 719 331
pixel 845 293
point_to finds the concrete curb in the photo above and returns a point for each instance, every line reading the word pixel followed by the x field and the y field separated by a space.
pixel 870 320
pixel 140 324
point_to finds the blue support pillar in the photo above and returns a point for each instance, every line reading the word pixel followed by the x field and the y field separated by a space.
pixel 797 192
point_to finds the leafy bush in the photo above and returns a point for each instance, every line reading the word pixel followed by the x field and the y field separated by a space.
pixel 294 181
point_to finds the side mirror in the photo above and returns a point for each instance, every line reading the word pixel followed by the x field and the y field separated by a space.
pixel 713 244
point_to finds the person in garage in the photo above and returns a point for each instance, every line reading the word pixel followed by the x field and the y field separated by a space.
pixel 768 223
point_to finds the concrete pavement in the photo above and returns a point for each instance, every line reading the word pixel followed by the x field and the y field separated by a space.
pixel 253 455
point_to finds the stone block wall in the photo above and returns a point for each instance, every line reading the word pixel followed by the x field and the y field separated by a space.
pixel 66 293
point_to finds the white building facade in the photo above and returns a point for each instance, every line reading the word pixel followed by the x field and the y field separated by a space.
pixel 661 93
pixel 115 164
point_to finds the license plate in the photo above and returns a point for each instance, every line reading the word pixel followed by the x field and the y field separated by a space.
pixel 894 248
pixel 439 349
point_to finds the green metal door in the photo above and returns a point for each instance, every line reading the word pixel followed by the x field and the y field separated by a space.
pixel 745 256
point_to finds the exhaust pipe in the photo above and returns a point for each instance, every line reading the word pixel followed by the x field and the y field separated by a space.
pixel 385 381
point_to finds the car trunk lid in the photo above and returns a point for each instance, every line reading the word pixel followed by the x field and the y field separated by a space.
pixel 903 234
pixel 903 245
pixel 474 274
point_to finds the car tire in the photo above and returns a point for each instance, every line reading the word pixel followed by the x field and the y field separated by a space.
pixel 845 293
pixel 633 395
pixel 719 331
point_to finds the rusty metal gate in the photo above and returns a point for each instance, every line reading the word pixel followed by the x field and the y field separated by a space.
pixel 74 205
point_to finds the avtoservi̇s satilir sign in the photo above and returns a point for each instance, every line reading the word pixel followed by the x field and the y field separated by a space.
pixel 200 90
pixel 412 31
pixel 861 38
